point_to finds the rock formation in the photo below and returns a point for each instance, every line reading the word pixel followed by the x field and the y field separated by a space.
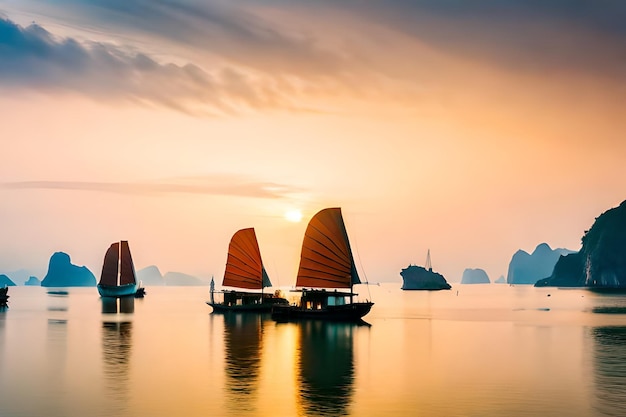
pixel 418 278
pixel 527 268
pixel 33 281
pixel 568 272
pixel 180 279
pixel 475 276
pixel 6 281
pixel 500 280
pixel 150 276
pixel 601 262
pixel 20 276
pixel 61 273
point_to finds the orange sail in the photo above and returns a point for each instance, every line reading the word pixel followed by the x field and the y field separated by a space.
pixel 110 267
pixel 118 267
pixel 127 268
pixel 244 267
pixel 326 260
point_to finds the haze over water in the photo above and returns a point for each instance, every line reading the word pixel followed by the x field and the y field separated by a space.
pixel 476 350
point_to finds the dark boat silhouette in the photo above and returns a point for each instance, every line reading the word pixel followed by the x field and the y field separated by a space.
pixel 4 297
pixel 118 277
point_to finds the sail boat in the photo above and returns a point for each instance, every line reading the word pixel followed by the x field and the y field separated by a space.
pixel 326 262
pixel 4 297
pixel 244 269
pixel 118 272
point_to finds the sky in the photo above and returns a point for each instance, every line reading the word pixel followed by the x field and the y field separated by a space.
pixel 470 129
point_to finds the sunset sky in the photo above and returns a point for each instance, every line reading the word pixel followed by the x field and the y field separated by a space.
pixel 472 129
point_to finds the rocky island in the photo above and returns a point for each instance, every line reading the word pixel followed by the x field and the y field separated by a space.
pixel 32 281
pixel 62 273
pixel 150 276
pixel 601 262
pixel 526 268
pixel 419 278
pixel 475 276
pixel 5 281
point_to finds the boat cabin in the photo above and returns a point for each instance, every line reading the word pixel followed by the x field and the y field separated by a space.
pixel 236 298
pixel 321 299
pixel 241 298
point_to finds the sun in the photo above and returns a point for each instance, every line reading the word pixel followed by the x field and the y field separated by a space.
pixel 293 215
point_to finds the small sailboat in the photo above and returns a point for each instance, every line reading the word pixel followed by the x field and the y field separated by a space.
pixel 4 297
pixel 326 265
pixel 244 269
pixel 118 277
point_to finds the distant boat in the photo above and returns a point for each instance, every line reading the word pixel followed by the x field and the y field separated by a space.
pixel 58 292
pixel 141 292
pixel 4 297
pixel 118 277
pixel 244 269
pixel 326 264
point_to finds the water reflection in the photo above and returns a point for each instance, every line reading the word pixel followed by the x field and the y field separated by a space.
pixel 326 364
pixel 243 345
pixel 56 347
pixel 116 353
pixel 112 305
pixel 2 337
pixel 610 370
pixel 57 301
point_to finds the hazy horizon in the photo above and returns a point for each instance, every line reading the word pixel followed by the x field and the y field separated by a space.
pixel 470 129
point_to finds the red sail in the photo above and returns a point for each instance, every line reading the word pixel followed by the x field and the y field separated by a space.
pixel 127 268
pixel 326 260
pixel 110 265
pixel 244 267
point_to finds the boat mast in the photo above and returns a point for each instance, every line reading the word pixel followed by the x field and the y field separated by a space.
pixel 351 292
pixel 118 279
pixel 428 265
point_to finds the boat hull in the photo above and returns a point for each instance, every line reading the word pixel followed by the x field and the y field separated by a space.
pixel 252 308
pixel 117 290
pixel 353 312
pixel 264 307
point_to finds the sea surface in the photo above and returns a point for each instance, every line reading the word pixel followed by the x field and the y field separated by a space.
pixel 475 350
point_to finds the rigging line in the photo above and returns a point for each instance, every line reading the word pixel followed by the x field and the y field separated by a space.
pixel 356 246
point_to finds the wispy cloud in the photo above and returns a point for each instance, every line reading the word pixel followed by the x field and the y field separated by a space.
pixel 276 54
pixel 34 58
pixel 219 185
pixel 238 32
pixel 535 35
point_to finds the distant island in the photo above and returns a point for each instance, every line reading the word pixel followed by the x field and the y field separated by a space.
pixel 475 276
pixel 21 276
pixel 500 280
pixel 526 268
pixel 32 281
pixel 601 262
pixel 62 273
pixel 150 276
pixel 6 281
pixel 419 278
pixel 180 279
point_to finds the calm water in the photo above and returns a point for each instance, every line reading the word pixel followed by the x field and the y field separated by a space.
pixel 477 350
